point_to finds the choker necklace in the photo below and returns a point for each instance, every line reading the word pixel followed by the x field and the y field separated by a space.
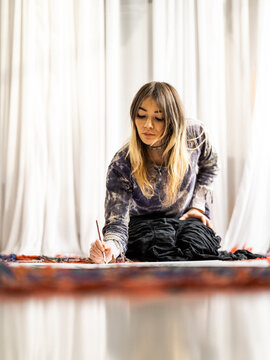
pixel 157 147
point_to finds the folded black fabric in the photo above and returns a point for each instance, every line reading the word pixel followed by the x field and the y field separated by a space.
pixel 169 239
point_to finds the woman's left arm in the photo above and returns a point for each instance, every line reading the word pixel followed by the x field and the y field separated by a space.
pixel 207 171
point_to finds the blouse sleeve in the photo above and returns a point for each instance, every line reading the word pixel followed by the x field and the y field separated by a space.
pixel 117 201
pixel 207 171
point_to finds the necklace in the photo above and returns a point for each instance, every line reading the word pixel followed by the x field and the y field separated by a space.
pixel 157 147
pixel 158 168
pixel 159 172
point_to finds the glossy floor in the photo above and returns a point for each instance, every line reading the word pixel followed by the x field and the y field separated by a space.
pixel 183 325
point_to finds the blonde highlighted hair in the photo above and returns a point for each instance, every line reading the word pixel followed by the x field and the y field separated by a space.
pixel 175 155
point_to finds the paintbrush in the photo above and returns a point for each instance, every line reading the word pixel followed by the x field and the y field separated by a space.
pixel 104 256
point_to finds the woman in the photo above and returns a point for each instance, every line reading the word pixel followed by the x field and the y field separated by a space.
pixel 166 169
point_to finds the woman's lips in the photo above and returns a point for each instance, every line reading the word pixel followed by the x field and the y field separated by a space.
pixel 148 134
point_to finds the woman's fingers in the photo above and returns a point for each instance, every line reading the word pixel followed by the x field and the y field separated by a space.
pixel 97 250
pixel 206 221
pixel 209 223
pixel 96 255
pixel 108 253
pixel 203 219
pixel 100 245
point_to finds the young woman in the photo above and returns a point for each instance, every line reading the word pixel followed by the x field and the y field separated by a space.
pixel 166 170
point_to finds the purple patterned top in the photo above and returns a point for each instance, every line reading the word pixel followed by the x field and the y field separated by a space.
pixel 124 197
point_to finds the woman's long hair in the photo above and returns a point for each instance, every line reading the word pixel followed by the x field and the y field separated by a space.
pixel 175 155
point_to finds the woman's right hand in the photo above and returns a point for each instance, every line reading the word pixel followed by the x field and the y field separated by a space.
pixel 96 252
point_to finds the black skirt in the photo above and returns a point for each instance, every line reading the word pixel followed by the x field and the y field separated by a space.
pixel 157 238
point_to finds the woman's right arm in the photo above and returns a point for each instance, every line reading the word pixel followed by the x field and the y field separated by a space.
pixel 117 200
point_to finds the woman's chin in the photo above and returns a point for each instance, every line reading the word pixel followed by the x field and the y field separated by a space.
pixel 150 142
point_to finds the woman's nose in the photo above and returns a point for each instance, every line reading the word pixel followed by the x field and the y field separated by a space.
pixel 148 123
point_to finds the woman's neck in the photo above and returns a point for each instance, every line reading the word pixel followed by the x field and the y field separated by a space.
pixel 155 156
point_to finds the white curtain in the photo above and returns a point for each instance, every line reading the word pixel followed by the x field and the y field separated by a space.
pixel 69 71
pixel 52 125
pixel 249 226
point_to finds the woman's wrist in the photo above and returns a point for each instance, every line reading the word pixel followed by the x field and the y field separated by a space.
pixel 115 249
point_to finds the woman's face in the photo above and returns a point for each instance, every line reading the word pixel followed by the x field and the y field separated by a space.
pixel 150 122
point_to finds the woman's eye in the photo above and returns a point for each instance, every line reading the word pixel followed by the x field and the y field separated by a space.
pixel 143 117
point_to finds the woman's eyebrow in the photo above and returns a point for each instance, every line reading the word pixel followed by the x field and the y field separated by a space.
pixel 158 111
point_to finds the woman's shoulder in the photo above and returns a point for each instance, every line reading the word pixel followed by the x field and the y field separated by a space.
pixel 121 161
pixel 195 130
pixel 121 155
pixel 194 125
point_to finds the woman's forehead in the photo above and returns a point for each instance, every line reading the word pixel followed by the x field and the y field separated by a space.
pixel 150 103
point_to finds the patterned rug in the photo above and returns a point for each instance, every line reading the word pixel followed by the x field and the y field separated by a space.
pixel 35 274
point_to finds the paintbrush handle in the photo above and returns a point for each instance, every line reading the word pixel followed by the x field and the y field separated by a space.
pixel 104 255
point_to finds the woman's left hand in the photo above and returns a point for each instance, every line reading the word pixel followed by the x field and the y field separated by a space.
pixel 198 214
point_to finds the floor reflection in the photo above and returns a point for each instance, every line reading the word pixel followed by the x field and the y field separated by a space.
pixel 180 326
